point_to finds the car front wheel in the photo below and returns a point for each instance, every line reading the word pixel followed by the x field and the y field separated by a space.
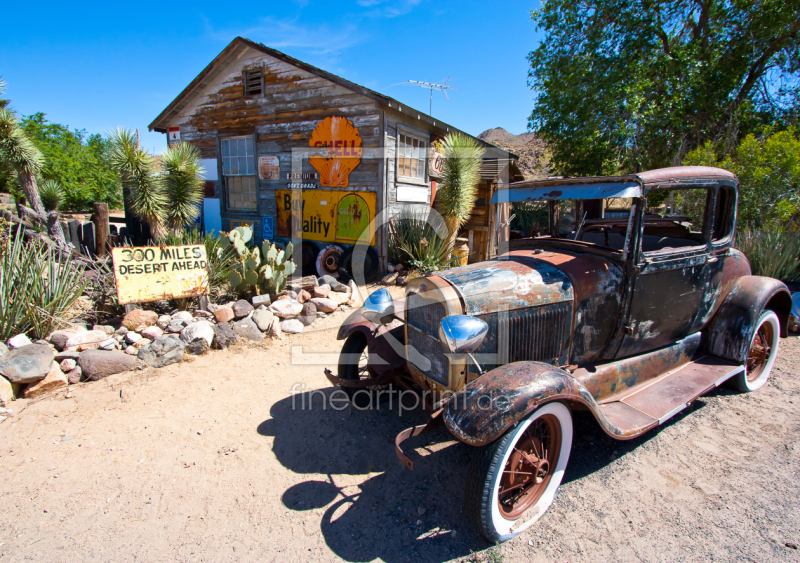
pixel 761 355
pixel 514 480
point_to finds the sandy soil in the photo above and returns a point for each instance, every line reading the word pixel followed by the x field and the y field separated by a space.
pixel 216 460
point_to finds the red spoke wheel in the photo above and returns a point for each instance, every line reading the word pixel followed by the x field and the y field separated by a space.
pixel 513 481
pixel 761 355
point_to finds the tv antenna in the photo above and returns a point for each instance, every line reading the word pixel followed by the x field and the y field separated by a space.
pixel 432 86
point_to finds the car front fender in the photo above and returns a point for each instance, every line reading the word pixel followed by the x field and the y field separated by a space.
pixel 731 329
pixel 484 409
pixel 385 344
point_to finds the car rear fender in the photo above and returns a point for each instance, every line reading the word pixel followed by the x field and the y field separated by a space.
pixel 731 329
pixel 484 409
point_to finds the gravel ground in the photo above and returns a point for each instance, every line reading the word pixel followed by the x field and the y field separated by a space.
pixel 216 460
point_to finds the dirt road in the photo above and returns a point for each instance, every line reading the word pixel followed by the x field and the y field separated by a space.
pixel 216 460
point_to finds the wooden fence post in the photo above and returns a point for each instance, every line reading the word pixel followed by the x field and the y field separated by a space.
pixel 100 220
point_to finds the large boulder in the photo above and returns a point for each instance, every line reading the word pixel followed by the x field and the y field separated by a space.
pixel 321 291
pixel 308 315
pixel 55 379
pixel 197 346
pixel 246 328
pixel 275 329
pixel 241 309
pixel 59 337
pixel 200 329
pixel 260 300
pixel 163 321
pixel 162 351
pixel 97 364
pixel 3 348
pixel 177 326
pixel 223 314
pixel 303 283
pixel 139 317
pixel 263 318
pixel 132 337
pixel 286 308
pixel 324 305
pixel 27 364
pixel 182 316
pixel 224 335
pixel 292 326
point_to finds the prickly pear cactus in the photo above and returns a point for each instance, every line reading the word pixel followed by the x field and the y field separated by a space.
pixel 265 269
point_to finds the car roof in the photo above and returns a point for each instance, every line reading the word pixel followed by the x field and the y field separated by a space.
pixel 601 187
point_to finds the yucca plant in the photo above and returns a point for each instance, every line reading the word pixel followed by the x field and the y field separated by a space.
pixel 38 286
pixel 420 239
pixel 52 194
pixel 460 178
pixel 140 174
pixel 772 251
pixel 183 184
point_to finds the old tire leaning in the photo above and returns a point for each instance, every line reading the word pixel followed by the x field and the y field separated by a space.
pixel 761 354
pixel 489 503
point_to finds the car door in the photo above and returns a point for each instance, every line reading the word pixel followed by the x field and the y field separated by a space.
pixel 668 290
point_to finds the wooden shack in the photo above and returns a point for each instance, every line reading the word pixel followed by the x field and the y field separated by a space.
pixel 295 151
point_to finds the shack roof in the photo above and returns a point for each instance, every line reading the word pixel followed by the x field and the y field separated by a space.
pixel 239 44
pixel 601 187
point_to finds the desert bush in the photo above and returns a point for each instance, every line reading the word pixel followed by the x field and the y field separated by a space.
pixel 772 251
pixel 221 260
pixel 419 238
pixel 38 286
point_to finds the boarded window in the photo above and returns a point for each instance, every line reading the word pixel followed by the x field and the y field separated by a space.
pixel 239 171
pixel 411 155
pixel 253 82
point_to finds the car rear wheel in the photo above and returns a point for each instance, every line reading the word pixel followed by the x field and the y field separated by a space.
pixel 514 480
pixel 761 355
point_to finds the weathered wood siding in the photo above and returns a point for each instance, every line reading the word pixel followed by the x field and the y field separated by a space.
pixel 283 118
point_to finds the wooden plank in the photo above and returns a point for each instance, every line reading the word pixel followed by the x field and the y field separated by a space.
pixel 100 220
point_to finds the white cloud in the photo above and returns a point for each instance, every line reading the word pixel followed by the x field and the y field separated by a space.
pixel 288 33
pixel 388 8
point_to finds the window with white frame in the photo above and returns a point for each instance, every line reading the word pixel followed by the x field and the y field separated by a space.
pixel 412 153
pixel 239 170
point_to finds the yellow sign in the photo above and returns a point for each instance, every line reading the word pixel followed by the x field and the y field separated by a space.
pixel 152 273
pixel 327 215
pixel 343 151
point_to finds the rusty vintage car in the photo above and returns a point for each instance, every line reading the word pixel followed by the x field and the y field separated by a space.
pixel 631 318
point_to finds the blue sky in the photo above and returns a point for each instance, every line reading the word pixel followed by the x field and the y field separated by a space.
pixel 100 66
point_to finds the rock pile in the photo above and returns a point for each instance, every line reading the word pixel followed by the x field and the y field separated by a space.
pixel 79 354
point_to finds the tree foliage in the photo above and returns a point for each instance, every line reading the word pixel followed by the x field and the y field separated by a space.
pixel 625 85
pixel 78 161
pixel 768 167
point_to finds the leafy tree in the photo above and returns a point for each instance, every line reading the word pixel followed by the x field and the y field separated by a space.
pixel 78 161
pixel 625 85
pixel 768 167
pixel 460 177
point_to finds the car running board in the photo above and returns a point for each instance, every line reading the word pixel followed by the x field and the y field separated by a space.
pixel 662 398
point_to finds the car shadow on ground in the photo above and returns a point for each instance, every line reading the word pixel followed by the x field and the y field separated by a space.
pixel 397 514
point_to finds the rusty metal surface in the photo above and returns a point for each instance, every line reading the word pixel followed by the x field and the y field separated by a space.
pixel 505 284
pixel 434 422
pixel 731 329
pixel 607 381
pixel 153 273
pixel 483 410
pixel 576 189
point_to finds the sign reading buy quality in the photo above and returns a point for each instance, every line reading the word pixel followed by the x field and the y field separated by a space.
pixel 151 273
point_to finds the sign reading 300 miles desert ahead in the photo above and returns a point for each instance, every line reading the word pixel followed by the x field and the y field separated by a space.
pixel 151 273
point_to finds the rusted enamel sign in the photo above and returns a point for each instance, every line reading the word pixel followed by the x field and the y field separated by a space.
pixel 152 273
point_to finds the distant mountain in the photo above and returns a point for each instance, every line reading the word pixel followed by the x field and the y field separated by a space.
pixel 532 151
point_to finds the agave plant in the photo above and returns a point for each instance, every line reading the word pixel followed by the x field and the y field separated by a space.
pixel 52 194
pixel 420 239
pixel 139 173
pixel 38 286
pixel 183 184
pixel 773 252
pixel 460 178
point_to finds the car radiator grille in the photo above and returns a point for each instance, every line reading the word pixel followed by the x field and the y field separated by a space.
pixel 538 334
pixel 423 348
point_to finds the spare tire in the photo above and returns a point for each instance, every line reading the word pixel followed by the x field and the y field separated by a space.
pixel 370 263
pixel 328 261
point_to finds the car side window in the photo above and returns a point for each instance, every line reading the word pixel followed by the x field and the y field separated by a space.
pixel 675 221
pixel 723 214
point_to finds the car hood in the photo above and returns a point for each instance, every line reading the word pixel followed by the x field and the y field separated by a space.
pixel 529 278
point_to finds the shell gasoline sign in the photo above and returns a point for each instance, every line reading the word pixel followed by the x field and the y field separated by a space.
pixel 151 273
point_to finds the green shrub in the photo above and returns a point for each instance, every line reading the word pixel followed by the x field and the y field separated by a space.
pixel 772 251
pixel 38 285
pixel 221 260
pixel 419 238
